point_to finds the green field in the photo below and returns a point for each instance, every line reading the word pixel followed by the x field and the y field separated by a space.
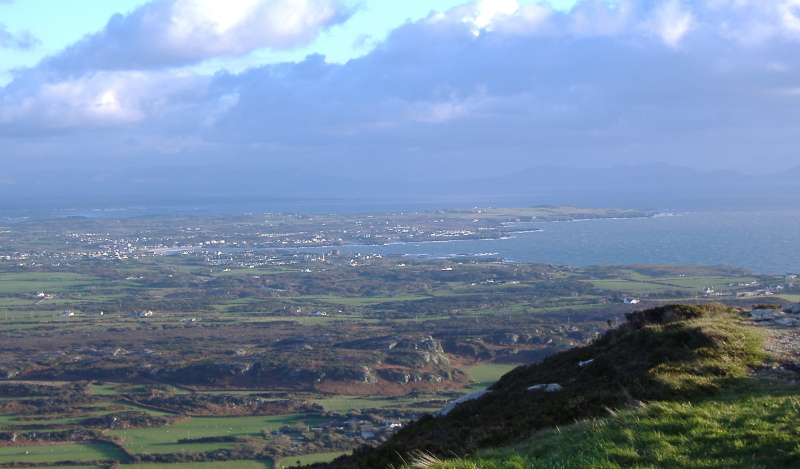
pixel 631 286
pixel 165 439
pixel 361 301
pixel 252 339
pixel 106 389
pixel 61 452
pixel 42 281
pixel 310 458
pixel 349 403
pixel 262 464
pixel 485 375
pixel 789 298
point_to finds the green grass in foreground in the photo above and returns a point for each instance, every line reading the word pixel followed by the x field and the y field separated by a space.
pixel 746 429
pixel 673 353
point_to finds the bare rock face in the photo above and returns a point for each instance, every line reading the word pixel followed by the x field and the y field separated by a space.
pixel 766 314
pixel 788 321
pixel 792 309
pixel 365 376
pixel 552 387
pixel 446 409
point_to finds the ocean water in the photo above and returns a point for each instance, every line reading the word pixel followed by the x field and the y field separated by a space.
pixel 12 210
pixel 766 241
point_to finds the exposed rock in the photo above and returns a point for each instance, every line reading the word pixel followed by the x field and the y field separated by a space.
pixel 469 397
pixel 402 376
pixel 792 309
pixel 788 321
pixel 552 387
pixel 391 342
pixel 766 314
pixel 437 358
pixel 365 375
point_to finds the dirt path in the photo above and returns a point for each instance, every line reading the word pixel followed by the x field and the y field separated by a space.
pixel 782 339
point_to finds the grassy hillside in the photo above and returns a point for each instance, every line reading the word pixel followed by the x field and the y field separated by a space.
pixel 755 428
pixel 673 361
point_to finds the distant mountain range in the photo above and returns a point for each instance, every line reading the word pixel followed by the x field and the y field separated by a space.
pixel 642 186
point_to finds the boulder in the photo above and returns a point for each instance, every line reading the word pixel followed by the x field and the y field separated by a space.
pixel 552 387
pixel 792 309
pixel 766 314
pixel 792 322
pixel 469 397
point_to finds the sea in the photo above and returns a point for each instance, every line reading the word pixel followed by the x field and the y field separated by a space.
pixel 768 242
pixel 764 239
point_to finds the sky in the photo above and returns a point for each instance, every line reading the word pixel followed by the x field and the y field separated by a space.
pixel 408 90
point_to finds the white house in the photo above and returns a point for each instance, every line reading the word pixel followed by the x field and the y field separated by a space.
pixel 65 314
pixel 142 313
pixel 630 301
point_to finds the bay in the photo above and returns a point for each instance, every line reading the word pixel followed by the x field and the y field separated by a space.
pixel 766 241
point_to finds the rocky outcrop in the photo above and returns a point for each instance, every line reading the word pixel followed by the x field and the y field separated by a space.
pixel 788 317
pixel 792 309
pixel 469 397
pixel 552 387
pixel 766 314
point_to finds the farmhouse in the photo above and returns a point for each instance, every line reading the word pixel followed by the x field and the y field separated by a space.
pixel 142 313
pixel 393 423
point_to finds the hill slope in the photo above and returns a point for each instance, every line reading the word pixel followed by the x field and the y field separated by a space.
pixel 673 354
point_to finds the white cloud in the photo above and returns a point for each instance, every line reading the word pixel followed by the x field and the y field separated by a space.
pixel 23 40
pixel 596 18
pixel 99 100
pixel 487 11
pixel 790 15
pixel 171 33
pixel 672 21
pixel 213 28
pixel 441 111
pixel 711 81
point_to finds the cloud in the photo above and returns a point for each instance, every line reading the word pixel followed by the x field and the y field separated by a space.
pixel 98 100
pixel 174 33
pixel 23 40
pixel 605 82
pixel 486 88
pixel 672 22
